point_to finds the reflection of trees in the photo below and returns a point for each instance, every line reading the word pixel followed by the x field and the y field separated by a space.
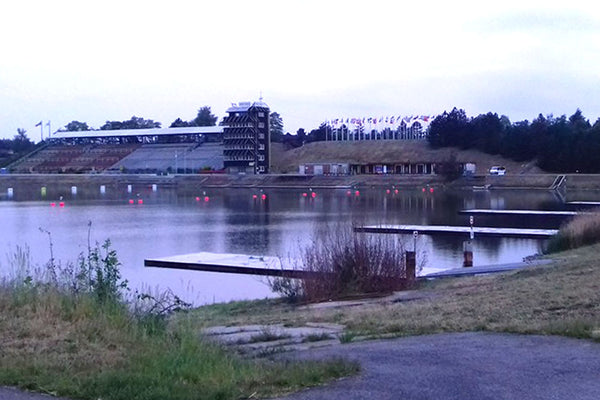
pixel 248 222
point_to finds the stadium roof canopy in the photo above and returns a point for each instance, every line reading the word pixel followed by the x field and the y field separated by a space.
pixel 194 130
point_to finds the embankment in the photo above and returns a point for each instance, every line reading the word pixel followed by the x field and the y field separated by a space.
pixel 58 184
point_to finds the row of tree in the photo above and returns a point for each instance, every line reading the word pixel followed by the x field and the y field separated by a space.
pixel 204 118
pixel 558 144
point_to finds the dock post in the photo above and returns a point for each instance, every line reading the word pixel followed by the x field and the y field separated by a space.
pixel 411 265
pixel 468 254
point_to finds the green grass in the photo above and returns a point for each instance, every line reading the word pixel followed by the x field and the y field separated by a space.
pixel 81 345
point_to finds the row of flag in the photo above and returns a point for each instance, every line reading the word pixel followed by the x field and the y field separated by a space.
pixel 393 120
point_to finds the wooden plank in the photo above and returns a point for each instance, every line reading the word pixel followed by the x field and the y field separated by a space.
pixel 229 263
pixel 476 211
pixel 458 230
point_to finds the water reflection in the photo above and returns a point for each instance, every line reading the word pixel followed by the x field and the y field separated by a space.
pixel 241 221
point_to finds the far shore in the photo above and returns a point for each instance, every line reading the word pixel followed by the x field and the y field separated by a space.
pixel 182 182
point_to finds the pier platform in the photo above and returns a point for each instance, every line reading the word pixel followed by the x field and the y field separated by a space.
pixel 485 269
pixel 229 263
pixel 459 230
pixel 476 211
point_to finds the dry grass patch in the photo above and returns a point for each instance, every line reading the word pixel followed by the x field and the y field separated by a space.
pixel 562 298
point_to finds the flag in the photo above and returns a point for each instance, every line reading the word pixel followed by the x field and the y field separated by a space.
pixel 39 124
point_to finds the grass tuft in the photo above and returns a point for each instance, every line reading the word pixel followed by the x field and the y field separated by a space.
pixel 582 230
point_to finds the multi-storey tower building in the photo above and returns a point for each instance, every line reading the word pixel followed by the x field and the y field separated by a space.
pixel 246 138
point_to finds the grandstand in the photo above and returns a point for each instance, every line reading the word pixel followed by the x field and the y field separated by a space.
pixel 186 150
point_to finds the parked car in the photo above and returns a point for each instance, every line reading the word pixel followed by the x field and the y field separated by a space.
pixel 497 170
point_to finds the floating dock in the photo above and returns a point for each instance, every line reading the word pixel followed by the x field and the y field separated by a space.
pixel 459 230
pixel 476 211
pixel 584 203
pixel 229 263
pixel 485 269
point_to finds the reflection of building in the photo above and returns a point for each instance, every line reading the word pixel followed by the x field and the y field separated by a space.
pixel 246 141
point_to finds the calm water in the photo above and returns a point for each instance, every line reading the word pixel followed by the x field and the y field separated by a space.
pixel 233 222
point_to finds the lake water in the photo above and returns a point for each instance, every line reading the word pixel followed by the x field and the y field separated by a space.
pixel 233 221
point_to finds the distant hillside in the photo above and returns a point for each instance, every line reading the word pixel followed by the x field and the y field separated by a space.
pixel 385 152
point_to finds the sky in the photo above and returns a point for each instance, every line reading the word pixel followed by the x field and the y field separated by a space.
pixel 311 61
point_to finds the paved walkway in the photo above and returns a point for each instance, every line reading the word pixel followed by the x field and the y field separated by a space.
pixel 465 366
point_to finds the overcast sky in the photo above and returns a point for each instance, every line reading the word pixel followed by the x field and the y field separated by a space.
pixel 312 60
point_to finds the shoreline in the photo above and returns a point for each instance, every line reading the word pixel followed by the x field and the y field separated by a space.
pixel 180 182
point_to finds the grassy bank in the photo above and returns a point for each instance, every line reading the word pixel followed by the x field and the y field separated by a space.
pixel 560 299
pixel 72 334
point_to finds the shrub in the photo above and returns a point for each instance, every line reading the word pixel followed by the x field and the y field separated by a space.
pixel 346 263
pixel 583 230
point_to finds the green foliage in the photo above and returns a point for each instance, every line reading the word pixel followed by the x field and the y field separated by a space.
pixel 78 337
pixel 276 127
pixel 76 126
pixel 558 144
pixel 204 117
pixel 449 168
pixel 133 123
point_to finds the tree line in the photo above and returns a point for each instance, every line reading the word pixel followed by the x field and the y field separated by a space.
pixel 557 144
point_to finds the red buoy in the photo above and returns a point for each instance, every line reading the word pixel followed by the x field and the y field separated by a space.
pixel 140 201
pixel 430 190
pixel 61 204
pixel 357 193
pixel 396 191
pixel 264 197
pixel 254 196
pixel 304 194
pixel 313 194
pixel 130 201
pixel 52 204
pixel 197 198
pixel 206 198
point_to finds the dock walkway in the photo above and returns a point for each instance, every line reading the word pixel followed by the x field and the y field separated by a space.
pixel 477 211
pixel 459 230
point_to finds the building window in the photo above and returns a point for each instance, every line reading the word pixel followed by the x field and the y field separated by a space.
pixel 261 135
pixel 261 169
pixel 261 124
pixel 261 158
pixel 261 146
pixel 261 114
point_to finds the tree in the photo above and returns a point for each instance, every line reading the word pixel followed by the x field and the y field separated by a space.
pixel 133 123
pixel 75 126
pixel 204 118
pixel 179 123
pixel 276 126
pixel 21 142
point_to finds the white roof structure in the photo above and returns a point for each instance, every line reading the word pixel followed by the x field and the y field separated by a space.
pixel 243 106
pixel 194 130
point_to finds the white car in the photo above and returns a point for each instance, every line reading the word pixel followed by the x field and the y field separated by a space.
pixel 497 171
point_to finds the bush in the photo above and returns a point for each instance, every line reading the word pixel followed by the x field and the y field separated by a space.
pixel 345 264
pixel 583 230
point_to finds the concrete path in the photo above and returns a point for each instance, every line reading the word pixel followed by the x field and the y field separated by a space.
pixel 465 366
